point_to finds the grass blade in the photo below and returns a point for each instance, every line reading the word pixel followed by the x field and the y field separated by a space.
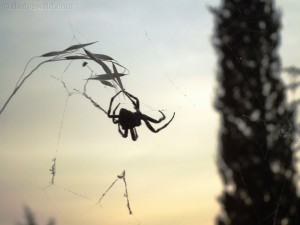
pixel 74 47
pixel 107 83
pixel 54 53
pixel 99 61
pixel 71 57
pixel 107 76
pixel 103 57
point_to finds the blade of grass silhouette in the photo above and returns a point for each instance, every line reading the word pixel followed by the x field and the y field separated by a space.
pixel 21 83
pixel 99 61
pixel 99 56
pixel 107 76
pixel 107 83
pixel 72 57
pixel 103 57
pixel 25 70
pixel 55 53
pixel 104 67
pixel 74 47
pixel 125 69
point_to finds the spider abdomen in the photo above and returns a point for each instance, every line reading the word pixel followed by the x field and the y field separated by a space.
pixel 128 119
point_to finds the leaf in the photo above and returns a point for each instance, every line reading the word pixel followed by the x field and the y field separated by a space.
pixel 98 56
pixel 74 47
pixel 107 83
pixel 76 57
pixel 103 57
pixel 116 78
pixel 54 53
pixel 102 64
pixel 102 77
pixel 121 66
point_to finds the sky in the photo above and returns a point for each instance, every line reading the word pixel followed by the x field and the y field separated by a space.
pixel 171 176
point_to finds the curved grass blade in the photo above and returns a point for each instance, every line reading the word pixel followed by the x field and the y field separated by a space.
pixel 102 64
pixel 107 83
pixel 21 82
pixel 99 61
pixel 71 57
pixel 25 70
pixel 107 76
pixel 103 57
pixel 74 47
pixel 98 56
pixel 116 63
pixel 54 53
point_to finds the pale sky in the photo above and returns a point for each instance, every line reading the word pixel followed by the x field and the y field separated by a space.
pixel 171 175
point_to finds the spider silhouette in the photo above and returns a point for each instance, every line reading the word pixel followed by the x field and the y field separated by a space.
pixel 128 120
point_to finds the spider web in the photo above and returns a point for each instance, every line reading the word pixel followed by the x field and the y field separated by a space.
pixel 53 167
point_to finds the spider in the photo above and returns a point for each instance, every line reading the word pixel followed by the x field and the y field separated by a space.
pixel 128 120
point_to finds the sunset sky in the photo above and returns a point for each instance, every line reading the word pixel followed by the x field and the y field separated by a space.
pixel 171 176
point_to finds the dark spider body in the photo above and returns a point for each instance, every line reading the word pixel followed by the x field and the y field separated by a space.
pixel 128 120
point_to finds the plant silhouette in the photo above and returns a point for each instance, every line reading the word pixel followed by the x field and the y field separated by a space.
pixel 30 218
pixel 256 159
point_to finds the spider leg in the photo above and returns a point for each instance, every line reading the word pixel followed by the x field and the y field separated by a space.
pixel 114 116
pixel 114 112
pixel 154 120
pixel 125 134
pixel 110 104
pixel 131 97
pixel 134 135
pixel 159 129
